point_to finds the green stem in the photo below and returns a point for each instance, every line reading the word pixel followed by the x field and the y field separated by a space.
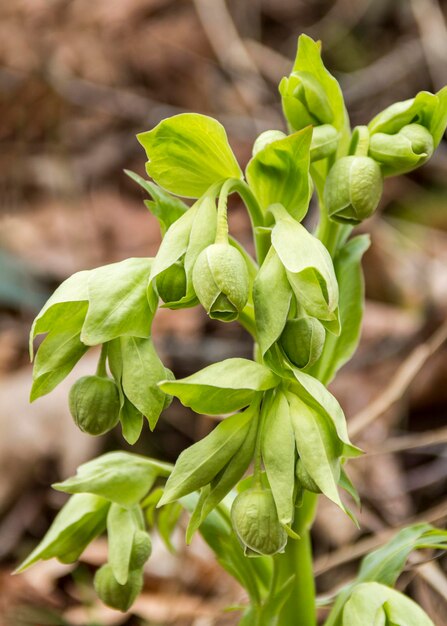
pixel 256 216
pixel 296 561
pixel 222 218
pixel 101 368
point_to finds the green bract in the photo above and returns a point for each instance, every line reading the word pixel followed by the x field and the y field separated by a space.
pixel 188 153
pixel 298 291
pixel 279 173
pixel 94 404
pixel 353 189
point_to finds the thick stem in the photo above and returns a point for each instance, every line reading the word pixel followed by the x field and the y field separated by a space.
pixel 296 561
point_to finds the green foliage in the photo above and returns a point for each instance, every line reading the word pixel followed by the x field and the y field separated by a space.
pixel 188 153
pixel 301 298
pixel 120 477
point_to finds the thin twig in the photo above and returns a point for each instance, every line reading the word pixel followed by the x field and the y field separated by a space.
pixel 411 442
pixel 230 50
pixel 403 60
pixel 400 381
pixel 433 30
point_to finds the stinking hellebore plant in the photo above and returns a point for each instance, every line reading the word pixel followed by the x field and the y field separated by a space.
pixel 251 486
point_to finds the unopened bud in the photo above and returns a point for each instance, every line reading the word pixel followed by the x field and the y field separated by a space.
pixel 255 521
pixel 94 404
pixel 221 281
pixel 353 189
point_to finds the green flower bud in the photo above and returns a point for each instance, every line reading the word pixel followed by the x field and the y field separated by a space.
pixel 305 479
pixel 353 189
pixel 171 283
pixel 120 597
pixel 304 101
pixel 411 147
pixel 94 404
pixel 141 549
pixel 168 398
pixel 255 521
pixel 221 281
pixel 265 138
pixel 303 340
pixel 324 142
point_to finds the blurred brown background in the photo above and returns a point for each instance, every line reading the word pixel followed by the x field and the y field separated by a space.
pixel 78 80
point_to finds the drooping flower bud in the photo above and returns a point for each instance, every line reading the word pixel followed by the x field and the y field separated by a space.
pixel 324 142
pixel 141 549
pixel 353 189
pixel 221 281
pixel 411 147
pixel 305 479
pixel 94 404
pixel 304 101
pixel 255 521
pixel 120 597
pixel 303 340
pixel 265 138
pixel 171 283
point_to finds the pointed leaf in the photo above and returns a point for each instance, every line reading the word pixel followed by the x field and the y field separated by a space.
pixel 271 296
pixel 121 529
pixel 200 463
pixel 142 370
pixel 278 455
pixel 222 387
pixel 317 446
pixel 348 270
pixel 78 522
pixel 317 395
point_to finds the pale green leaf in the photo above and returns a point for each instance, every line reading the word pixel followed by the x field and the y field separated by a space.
pixel 200 463
pixel 236 467
pixel 348 270
pixel 118 304
pixel 280 173
pixel 120 477
pixel 142 370
pixel 317 445
pixel 166 208
pixel 70 297
pixel 385 564
pixel 317 395
pixel 223 387
pixel 271 296
pixel 369 600
pixel 59 352
pixel 188 153
pixel 121 529
pixel 309 268
pixel 78 522
pixel 278 455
